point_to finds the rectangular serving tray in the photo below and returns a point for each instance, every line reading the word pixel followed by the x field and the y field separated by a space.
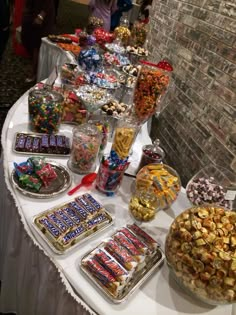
pixel 134 284
pixel 86 238
pixel 36 135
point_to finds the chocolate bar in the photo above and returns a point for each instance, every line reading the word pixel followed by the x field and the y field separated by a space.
pixel 44 144
pixel 48 226
pixel 121 254
pixel 137 243
pixel 59 223
pixel 67 146
pixel 86 205
pixel 115 269
pixel 99 219
pixel 144 236
pixel 73 235
pixel 36 145
pixel 71 213
pixel 93 201
pixel 28 144
pixel 65 218
pixel 20 142
pixel 103 276
pixel 126 243
pixel 60 140
pixel 82 212
pixel 52 144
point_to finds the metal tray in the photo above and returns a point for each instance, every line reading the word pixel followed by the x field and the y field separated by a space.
pixel 59 185
pixel 155 262
pixel 86 238
pixel 35 135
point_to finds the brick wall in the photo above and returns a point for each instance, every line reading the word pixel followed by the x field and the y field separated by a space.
pixel 198 126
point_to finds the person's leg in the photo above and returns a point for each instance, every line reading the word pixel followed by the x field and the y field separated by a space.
pixel 33 75
pixel 4 35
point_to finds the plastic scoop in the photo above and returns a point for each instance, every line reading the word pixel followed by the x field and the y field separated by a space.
pixel 86 180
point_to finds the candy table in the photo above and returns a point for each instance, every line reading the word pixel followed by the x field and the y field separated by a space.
pixel 36 281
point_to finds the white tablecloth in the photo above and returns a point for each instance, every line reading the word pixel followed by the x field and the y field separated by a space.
pixel 51 55
pixel 36 281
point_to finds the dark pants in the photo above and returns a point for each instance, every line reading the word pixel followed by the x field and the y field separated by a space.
pixel 4 35
pixel 56 5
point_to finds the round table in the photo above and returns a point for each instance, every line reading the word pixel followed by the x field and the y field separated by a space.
pixel 36 281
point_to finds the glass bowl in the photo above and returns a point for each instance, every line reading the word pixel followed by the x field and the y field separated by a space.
pixel 200 251
pixel 163 180
pixel 214 185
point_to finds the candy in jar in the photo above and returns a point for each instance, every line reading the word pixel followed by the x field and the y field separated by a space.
pixel 85 146
pixel 45 110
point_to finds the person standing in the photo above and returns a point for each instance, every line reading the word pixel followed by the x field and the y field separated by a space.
pixel 122 6
pixel 103 9
pixel 37 22
pixel 4 25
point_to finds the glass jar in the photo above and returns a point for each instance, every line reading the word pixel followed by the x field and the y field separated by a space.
pixel 162 180
pixel 85 146
pixel 213 184
pixel 139 34
pixel 45 109
pixel 201 256
pixel 151 153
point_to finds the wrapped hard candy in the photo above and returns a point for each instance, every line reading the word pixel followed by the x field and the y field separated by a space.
pixel 89 59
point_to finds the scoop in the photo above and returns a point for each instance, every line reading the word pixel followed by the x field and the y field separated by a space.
pixel 86 180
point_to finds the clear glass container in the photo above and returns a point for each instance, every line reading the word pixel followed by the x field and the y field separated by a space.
pixel 139 34
pixel 213 184
pixel 85 147
pixel 45 109
pixel 162 180
pixel 200 251
pixel 151 153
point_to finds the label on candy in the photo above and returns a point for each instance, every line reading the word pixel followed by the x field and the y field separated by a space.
pixel 230 195
pixel 73 234
pixel 50 227
pixel 58 222
pixel 96 220
pixel 86 205
pixel 82 212
pixel 65 218
pixel 72 215
pixel 93 201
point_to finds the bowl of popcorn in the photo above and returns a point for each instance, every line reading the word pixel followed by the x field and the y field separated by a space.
pixel 213 185
pixel 201 253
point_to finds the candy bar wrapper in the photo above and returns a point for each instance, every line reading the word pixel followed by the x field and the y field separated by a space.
pixel 49 229
pixel 47 174
pixel 72 237
pixel 121 254
pixel 127 244
pixel 81 211
pixel 20 142
pixel 31 182
pixel 52 143
pixel 60 144
pixel 72 214
pixel 61 215
pixel 103 276
pixel 37 162
pixel 58 222
pixel 23 168
pixel 92 201
pixel 44 146
pixel 36 145
pixel 86 205
pixel 152 244
pixel 112 266
pixel 100 220
pixel 29 144
pixel 141 246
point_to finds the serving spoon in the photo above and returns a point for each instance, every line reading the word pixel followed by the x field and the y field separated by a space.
pixel 86 181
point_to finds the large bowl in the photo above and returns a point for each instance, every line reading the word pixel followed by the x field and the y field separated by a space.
pixel 163 180
pixel 200 251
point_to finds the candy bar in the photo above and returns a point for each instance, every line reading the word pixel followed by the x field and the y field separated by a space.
pixel 46 226
pixel 126 243
pixel 144 236
pixel 71 213
pixel 52 143
pixel 47 174
pixel 93 201
pixel 137 243
pixel 65 218
pixel 59 223
pixel 86 205
pixel 73 235
pixel 103 276
pixel 67 146
pixel 121 254
pixel 28 144
pixel 108 262
pixel 97 220
pixel 82 212
pixel 44 144
pixel 36 145
pixel 20 142
pixel 60 144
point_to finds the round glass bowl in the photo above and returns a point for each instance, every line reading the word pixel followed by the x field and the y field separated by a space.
pixel 200 251
pixel 162 180
pixel 213 185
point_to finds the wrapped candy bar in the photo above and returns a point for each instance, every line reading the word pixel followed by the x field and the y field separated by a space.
pixel 80 210
pixel 37 162
pixel 59 223
pixel 121 254
pixel 86 205
pixel 141 246
pixel 36 145
pixel 100 220
pixel 108 262
pixel 93 201
pixel 126 243
pixel 74 235
pixel 29 144
pixel 30 182
pixel 23 168
pixel 48 228
pixel 47 174
pixel 103 276
pixel 20 142
pixel 144 236
pixel 71 213
pixel 61 214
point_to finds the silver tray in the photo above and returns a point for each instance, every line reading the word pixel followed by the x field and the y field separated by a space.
pixel 86 238
pixel 155 262
pixel 35 135
pixel 59 185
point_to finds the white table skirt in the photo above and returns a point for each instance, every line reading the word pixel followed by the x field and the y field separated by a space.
pixel 51 55
pixel 36 281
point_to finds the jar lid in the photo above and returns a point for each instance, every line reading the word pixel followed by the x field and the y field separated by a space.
pixel 46 94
